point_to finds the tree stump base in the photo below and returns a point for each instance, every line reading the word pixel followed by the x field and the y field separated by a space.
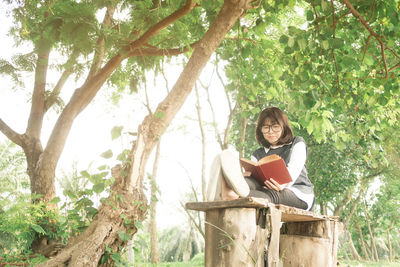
pixel 252 232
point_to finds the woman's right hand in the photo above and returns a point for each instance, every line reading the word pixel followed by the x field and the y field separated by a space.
pixel 274 185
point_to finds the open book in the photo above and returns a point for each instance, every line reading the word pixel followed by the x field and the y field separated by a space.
pixel 271 166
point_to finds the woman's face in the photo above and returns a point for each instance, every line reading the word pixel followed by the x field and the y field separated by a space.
pixel 271 131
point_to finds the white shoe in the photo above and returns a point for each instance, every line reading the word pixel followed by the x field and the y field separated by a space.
pixel 214 185
pixel 233 174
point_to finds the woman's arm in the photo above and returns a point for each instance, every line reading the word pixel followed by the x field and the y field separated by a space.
pixel 297 160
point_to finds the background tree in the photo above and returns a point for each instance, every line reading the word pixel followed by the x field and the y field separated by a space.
pixel 73 28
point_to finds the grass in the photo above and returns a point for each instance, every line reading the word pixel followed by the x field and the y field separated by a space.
pixel 369 263
pixel 343 263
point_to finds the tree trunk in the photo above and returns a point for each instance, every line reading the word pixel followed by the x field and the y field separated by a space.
pixel 323 209
pixel 353 250
pixel 154 252
pixel 203 146
pixel 363 245
pixel 127 203
pixel 389 246
pixel 242 136
pixel 371 234
pixel 389 239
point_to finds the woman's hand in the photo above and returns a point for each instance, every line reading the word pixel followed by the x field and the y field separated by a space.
pixel 246 174
pixel 274 185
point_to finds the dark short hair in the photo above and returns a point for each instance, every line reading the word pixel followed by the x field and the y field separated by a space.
pixel 275 115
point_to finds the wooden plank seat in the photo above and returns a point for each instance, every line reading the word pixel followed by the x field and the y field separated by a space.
pixel 252 232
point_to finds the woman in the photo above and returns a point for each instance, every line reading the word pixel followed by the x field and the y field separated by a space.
pixel 276 137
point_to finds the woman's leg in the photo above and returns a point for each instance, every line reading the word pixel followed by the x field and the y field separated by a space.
pixel 226 178
pixel 284 197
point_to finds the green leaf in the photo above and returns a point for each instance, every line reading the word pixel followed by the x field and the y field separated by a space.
pixel 55 200
pixel 159 115
pixel 302 43
pixel 324 5
pixel 85 174
pixel 283 39
pixel 98 188
pixel 325 44
pixel 369 60
pixel 291 42
pixel 310 15
pixel 107 154
pixel 38 229
pixel 123 236
pixel 116 132
pixel 338 43
pixel 116 256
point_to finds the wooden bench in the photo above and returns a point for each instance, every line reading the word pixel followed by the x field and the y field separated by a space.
pixel 252 232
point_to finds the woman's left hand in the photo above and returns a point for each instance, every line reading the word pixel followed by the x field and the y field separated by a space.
pixel 272 184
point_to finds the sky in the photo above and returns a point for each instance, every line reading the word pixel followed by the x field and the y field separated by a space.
pixel 180 157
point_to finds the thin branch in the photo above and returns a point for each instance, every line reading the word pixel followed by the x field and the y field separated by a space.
pixel 203 142
pixel 99 50
pixel 366 47
pixel 229 125
pixel 377 59
pixel 60 84
pixel 165 77
pixel 250 6
pixel 214 121
pixel 196 224
pixel 395 66
pixel 333 50
pixel 223 85
pixel 51 100
pixel 147 99
pixel 316 15
pixel 154 51
pixel 242 38
pixel 384 59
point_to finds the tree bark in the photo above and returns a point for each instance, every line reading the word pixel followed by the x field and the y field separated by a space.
pixel 87 249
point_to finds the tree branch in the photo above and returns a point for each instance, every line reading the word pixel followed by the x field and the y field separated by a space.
pixel 35 120
pixel 185 9
pixel 333 50
pixel 371 31
pixel 11 134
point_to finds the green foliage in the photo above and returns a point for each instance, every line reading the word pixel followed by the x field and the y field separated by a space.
pixel 23 221
pixel 13 177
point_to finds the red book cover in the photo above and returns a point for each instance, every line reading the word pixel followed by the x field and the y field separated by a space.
pixel 268 167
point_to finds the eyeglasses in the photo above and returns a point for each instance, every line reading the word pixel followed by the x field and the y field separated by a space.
pixel 275 128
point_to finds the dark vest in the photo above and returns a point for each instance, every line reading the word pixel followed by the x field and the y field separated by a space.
pixel 302 183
